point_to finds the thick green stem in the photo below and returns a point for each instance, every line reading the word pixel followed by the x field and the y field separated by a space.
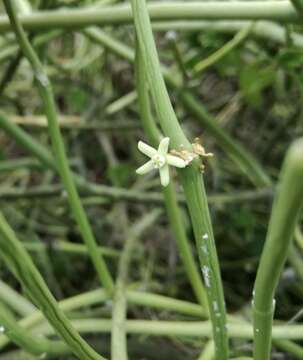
pixel 25 340
pixel 283 220
pixel 20 263
pixel 196 329
pixel 171 203
pixel 191 178
pixel 15 301
pixel 246 162
pixel 47 97
pixel 121 14
pixel 119 314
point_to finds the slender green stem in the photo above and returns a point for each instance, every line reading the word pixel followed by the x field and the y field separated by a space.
pixel 46 94
pixel 95 297
pixel 246 161
pixel 69 248
pixel 25 340
pixel 191 179
pixel 118 339
pixel 15 301
pixel 20 263
pixel 196 329
pixel 121 14
pixel 224 50
pixel 38 41
pixel 281 231
pixel 174 214
pixel 208 352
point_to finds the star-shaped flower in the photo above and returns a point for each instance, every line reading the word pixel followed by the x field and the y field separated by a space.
pixel 159 159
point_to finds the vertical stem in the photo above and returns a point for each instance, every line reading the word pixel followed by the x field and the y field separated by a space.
pixel 47 97
pixel 281 230
pixel 22 266
pixel 24 339
pixel 118 340
pixel 191 179
pixel 169 192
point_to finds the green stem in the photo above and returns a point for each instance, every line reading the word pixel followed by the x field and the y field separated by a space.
pixel 281 231
pixel 118 333
pixel 69 247
pixel 246 162
pixel 171 203
pixel 190 176
pixel 25 340
pixel 95 297
pixel 20 263
pixel 47 97
pixel 15 301
pixel 121 14
pixel 196 329
pixel 224 50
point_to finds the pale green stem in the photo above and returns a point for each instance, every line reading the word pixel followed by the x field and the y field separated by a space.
pixel 121 14
pixel 47 97
pixel 190 176
pixel 95 297
pixel 174 214
pixel 208 352
pixel 281 230
pixel 246 161
pixel 224 50
pixel 119 313
pixel 15 301
pixel 29 342
pixel 183 329
pixel 20 263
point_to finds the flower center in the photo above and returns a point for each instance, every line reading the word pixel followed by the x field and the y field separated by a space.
pixel 158 160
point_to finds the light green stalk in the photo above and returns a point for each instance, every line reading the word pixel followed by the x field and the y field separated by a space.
pixel 164 10
pixel 280 233
pixel 47 97
pixel 20 263
pixel 95 297
pixel 224 50
pixel 15 301
pixel 184 329
pixel 119 313
pixel 191 179
pixel 171 203
pixel 25 340
pixel 246 161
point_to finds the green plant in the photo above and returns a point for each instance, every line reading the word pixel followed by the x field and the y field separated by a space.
pixel 167 97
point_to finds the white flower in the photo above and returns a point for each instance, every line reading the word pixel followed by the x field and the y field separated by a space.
pixel 159 159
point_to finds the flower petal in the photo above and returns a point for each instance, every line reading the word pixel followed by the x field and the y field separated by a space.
pixel 175 161
pixel 146 149
pixel 163 146
pixel 164 175
pixel 147 167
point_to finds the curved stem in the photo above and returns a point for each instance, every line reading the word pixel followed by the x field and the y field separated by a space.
pixel 118 333
pixel 15 301
pixel 281 231
pixel 47 97
pixel 171 203
pixel 27 341
pixel 121 14
pixel 190 176
pixel 22 266
pixel 246 161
